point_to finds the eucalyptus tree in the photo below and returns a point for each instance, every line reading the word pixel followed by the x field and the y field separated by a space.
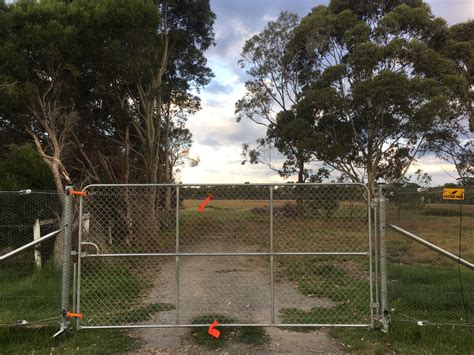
pixel 39 69
pixel 456 146
pixel 145 71
pixel 100 86
pixel 272 93
pixel 382 86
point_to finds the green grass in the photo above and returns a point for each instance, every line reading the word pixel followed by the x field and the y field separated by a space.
pixel 140 314
pixel 417 292
pixel 112 293
pixel 327 277
pixel 113 289
pixel 406 338
pixel 433 293
pixel 27 294
pixel 39 341
pixel 246 335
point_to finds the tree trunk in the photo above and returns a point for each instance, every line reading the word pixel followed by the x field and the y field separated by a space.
pixel 372 182
pixel 300 189
pixel 59 242
pixel 166 158
pixel 126 175
pixel 301 171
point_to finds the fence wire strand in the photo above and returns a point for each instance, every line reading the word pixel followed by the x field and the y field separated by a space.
pixel 30 282
pixel 244 254
pixel 425 286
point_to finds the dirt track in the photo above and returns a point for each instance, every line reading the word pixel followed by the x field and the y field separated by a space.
pixel 237 287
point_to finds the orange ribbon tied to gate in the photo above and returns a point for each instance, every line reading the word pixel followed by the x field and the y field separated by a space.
pixel 74 315
pixel 214 332
pixel 205 202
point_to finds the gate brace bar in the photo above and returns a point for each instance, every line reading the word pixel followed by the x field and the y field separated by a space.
pixel 29 245
pixel 433 247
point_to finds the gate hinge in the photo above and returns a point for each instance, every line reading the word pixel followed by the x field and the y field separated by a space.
pixel 373 203
pixel 374 305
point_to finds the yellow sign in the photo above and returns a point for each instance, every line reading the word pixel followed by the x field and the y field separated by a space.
pixel 453 194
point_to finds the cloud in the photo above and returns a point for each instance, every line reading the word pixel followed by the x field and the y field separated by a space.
pixel 237 21
pixel 217 88
pixel 453 11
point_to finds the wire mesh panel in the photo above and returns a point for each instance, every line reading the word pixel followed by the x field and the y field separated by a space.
pixel 172 255
pixel 235 218
pixel 425 286
pixel 137 219
pixel 30 282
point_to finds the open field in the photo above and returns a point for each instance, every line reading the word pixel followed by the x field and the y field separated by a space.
pixel 440 224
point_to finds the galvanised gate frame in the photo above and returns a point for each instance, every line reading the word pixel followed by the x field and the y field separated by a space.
pixel 319 238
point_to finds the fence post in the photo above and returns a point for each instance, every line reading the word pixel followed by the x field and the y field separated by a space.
pixel 66 276
pixel 382 222
pixel 36 236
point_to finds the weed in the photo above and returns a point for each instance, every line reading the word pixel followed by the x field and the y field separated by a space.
pixel 246 335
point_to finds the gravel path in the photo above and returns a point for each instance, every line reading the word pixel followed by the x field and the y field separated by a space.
pixel 237 287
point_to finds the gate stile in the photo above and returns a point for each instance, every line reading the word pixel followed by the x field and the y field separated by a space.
pixel 128 265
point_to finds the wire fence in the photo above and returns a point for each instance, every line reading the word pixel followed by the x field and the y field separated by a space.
pixel 267 282
pixel 178 255
pixel 30 282
pixel 425 286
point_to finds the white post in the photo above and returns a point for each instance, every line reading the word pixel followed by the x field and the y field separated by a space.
pixel 36 236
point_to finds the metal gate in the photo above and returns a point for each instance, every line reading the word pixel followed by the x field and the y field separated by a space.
pixel 243 254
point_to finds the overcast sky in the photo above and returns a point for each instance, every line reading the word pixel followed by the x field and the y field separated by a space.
pixel 217 136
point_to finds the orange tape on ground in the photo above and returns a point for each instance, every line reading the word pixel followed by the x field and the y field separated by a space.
pixel 213 331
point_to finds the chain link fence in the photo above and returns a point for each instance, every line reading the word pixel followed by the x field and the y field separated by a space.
pixel 425 286
pixel 294 255
pixel 181 255
pixel 30 282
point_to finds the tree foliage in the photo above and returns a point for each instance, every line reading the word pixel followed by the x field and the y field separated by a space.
pixel 456 146
pixel 103 88
pixel 383 89
pixel 21 167
pixel 271 98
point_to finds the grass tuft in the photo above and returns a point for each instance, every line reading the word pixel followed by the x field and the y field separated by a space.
pixel 405 338
pixel 245 335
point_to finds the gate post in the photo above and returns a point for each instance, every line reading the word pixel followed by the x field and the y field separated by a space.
pixel 381 231
pixel 66 276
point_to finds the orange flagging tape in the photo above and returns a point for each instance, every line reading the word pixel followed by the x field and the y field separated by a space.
pixel 214 332
pixel 205 202
pixel 74 315
pixel 74 192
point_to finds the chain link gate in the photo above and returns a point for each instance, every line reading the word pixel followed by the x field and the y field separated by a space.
pixel 244 254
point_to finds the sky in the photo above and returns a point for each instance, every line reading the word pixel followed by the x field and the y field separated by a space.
pixel 217 136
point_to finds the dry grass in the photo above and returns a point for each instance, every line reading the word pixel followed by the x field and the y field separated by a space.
pixel 443 231
pixel 239 204
pixel 249 204
pixel 342 233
